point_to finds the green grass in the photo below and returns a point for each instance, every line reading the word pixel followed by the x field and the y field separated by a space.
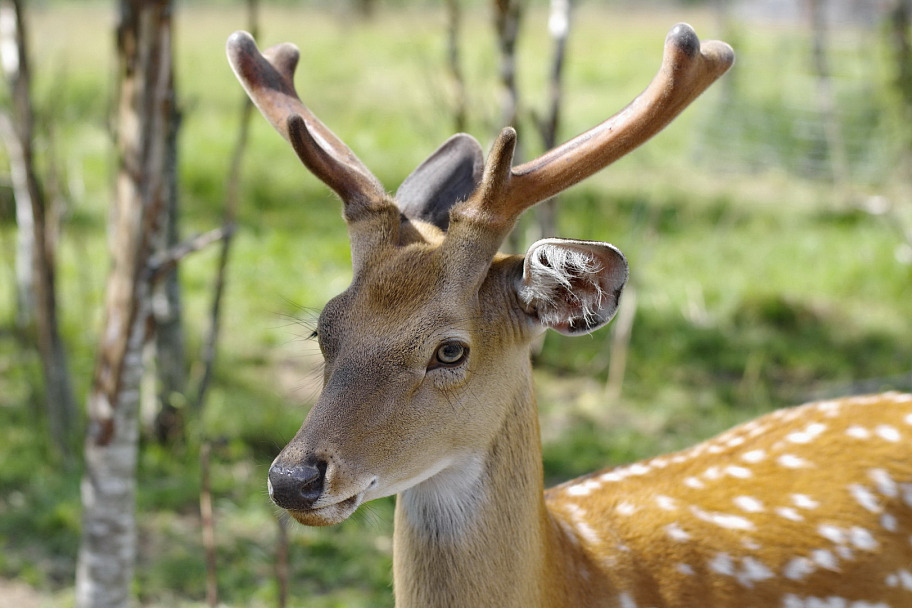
pixel 759 284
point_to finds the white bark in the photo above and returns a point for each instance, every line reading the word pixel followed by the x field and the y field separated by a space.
pixel 108 549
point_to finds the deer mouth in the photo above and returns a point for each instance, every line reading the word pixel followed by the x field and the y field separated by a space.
pixel 328 515
pixel 335 512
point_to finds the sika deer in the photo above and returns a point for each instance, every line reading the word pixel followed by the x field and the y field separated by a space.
pixel 428 395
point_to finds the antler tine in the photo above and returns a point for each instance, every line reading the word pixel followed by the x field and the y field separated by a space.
pixel 688 68
pixel 268 78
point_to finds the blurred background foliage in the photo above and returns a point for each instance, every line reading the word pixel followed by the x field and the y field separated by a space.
pixel 767 231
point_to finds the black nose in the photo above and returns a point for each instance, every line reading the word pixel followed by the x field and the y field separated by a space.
pixel 297 486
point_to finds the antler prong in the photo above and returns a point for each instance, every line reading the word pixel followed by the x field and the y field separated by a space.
pixel 268 78
pixel 688 68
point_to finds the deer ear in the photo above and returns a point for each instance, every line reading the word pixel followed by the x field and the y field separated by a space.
pixel 448 176
pixel 572 287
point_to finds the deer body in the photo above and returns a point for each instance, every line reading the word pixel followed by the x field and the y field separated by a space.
pixel 428 394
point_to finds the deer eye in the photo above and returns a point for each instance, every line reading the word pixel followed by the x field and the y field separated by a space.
pixel 449 354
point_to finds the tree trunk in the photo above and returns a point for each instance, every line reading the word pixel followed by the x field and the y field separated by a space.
pixel 454 65
pixel 145 107
pixel 36 245
pixel 170 354
pixel 507 18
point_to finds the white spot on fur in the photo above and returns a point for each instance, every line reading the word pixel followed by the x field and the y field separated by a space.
pixel 579 490
pixel 825 559
pixel 808 435
pixel 790 600
pixel 858 432
pixel 865 497
pixel 793 601
pixel 908 419
pixel 759 429
pixel 739 472
pixel 789 513
pixel 695 483
pixel 749 504
pixel 803 501
pixel 685 569
pixel 587 533
pixel 610 477
pixel 888 433
pixel 862 539
pixel 585 488
pixel 830 408
pixel 638 469
pixel 626 601
pixel 753 456
pixel 666 502
pixel 753 570
pixel 724 520
pixel 834 534
pixel 578 519
pixel 677 533
pixel 722 564
pixel 883 481
pixel 750 544
pixel 906 489
pixel 905 579
pixel 889 523
pixel 713 473
pixel 626 508
pixel 659 463
pixel 798 568
pixel 735 441
pixel 790 461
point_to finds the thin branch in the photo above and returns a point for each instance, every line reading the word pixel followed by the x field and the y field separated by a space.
pixel 232 201
pixel 164 262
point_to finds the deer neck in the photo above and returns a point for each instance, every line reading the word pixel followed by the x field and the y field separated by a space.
pixel 479 522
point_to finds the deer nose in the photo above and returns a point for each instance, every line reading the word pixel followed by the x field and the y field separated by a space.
pixel 296 487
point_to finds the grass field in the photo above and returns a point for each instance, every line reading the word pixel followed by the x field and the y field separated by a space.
pixel 759 281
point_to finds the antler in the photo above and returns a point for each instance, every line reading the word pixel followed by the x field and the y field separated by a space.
pixel 688 68
pixel 268 78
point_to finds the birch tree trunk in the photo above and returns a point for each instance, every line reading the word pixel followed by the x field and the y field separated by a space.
pixel 10 35
pixel 108 547
pixel 35 262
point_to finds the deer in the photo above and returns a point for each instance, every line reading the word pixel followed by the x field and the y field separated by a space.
pixel 428 395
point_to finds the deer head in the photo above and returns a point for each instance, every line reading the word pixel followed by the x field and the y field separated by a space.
pixel 426 352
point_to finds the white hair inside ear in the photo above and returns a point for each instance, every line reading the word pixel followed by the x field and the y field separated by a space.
pixel 572 286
